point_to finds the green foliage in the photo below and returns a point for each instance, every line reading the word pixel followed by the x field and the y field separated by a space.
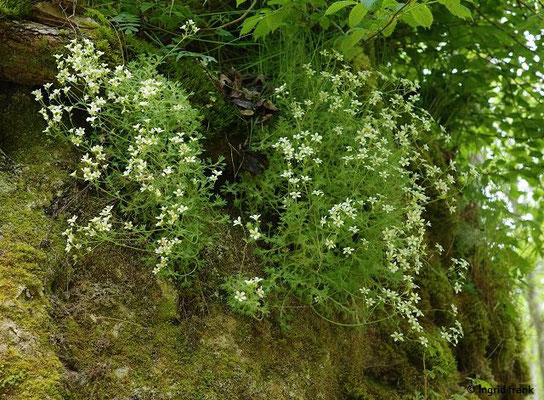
pixel 14 8
pixel 342 226
pixel 127 22
pixel 247 296
pixel 346 21
pixel 338 233
pixel 142 145
pixel 153 16
pixel 481 78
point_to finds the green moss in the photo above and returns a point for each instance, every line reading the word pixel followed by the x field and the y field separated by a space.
pixel 373 390
pixel 30 366
pixel 39 65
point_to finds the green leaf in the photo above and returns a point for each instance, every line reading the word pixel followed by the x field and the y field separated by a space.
pixel 324 22
pixel 335 7
pixel 390 28
pixel 146 6
pixel 249 24
pixel 369 4
pixel 535 20
pixel 408 19
pixel 456 8
pixel 351 40
pixel 224 33
pixel 238 2
pixel 262 28
pixel 356 15
pixel 422 15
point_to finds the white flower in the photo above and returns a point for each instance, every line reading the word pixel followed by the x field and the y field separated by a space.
pixel 240 296
pixel 347 250
pixel 281 90
pixel 255 217
pixel 260 292
pixel 457 287
pixel 253 281
pixel 189 28
pixel 237 221
pixel 424 341
pixel 316 138
pixel 397 336
pixel 445 335
pixel 38 94
pixel 254 233
pixel 295 195
pixel 330 244
pixel 415 298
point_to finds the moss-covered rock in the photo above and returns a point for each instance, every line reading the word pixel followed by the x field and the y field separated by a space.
pixel 106 328
pixel 29 243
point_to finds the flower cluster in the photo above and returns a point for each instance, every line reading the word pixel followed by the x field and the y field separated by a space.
pixel 458 271
pixel 141 145
pixel 349 181
pixel 94 231
pixel 247 295
pixel 252 226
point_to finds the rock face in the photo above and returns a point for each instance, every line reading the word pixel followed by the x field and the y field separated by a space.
pixel 25 51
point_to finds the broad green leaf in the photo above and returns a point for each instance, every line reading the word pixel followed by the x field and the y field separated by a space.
pixel 456 8
pixel 224 33
pixel 391 4
pixel 262 28
pixel 351 40
pixel 275 19
pixel 335 7
pixel 249 24
pixel 324 22
pixel 369 4
pixel 409 19
pixel 422 15
pixel 390 28
pixel 146 6
pixel 536 20
pixel 356 15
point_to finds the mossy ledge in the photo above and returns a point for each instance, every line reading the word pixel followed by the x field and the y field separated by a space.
pixel 107 329
pixel 30 176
